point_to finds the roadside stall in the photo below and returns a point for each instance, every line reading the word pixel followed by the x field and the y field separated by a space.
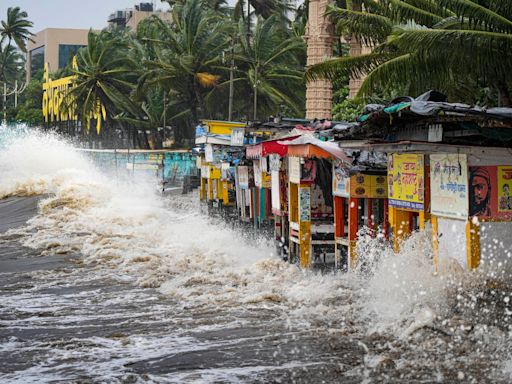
pixel 219 139
pixel 360 199
pixel 310 206
pixel 274 186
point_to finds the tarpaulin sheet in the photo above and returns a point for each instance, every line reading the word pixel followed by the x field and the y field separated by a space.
pixel 309 146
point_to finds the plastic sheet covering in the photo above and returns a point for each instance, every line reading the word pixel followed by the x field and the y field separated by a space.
pixel 309 146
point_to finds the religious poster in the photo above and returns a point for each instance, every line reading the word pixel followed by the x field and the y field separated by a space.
pixel 449 185
pixel 504 187
pixel 294 169
pixel 406 181
pixel 305 204
pixel 243 177
pixel 340 181
pixel 275 196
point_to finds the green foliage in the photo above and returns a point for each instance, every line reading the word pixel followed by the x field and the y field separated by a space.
pixel 347 110
pixel 455 46
pixel 29 109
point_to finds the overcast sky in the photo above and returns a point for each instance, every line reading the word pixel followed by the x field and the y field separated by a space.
pixel 82 14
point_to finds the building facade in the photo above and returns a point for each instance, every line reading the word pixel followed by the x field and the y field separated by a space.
pixel 55 46
pixel 131 17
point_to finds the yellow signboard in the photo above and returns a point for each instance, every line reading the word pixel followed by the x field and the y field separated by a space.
pixel 406 181
pixel 368 186
pixel 59 105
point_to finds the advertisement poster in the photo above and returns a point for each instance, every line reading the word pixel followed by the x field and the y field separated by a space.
pixel 243 177
pixel 504 187
pixel 406 181
pixel 276 201
pixel 489 192
pixel 368 186
pixel 305 204
pixel 340 181
pixel 294 169
pixel 449 185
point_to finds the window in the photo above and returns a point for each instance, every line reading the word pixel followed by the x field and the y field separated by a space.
pixel 36 60
pixel 66 53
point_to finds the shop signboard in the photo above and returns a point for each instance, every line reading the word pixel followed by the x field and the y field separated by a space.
pixel 449 185
pixel 406 181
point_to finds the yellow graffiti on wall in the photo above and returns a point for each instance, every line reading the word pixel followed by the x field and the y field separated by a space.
pixel 58 104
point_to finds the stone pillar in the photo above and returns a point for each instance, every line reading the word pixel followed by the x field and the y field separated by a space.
pixel 319 38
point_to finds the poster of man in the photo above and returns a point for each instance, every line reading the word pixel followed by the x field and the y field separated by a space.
pixel 480 191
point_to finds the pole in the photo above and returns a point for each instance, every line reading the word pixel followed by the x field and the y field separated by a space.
pixel 5 102
pixel 255 101
pixel 165 107
pixel 16 94
pixel 231 86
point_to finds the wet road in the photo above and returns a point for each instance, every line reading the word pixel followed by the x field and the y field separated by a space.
pixel 64 321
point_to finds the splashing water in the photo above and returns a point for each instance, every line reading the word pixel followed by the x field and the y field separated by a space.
pixel 403 316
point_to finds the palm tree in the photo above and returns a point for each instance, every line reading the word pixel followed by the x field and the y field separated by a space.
pixel 188 56
pixel 455 46
pixel 105 77
pixel 11 64
pixel 16 28
pixel 270 66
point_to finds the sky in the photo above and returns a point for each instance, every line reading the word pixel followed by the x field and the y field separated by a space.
pixel 81 14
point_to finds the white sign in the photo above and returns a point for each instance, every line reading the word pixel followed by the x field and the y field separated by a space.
pixel 208 153
pixel 264 164
pixel 294 169
pixel 224 171
pixel 435 133
pixel 275 192
pixel 257 173
pixel 243 177
pixel 340 181
pixel 237 137
pixel 449 185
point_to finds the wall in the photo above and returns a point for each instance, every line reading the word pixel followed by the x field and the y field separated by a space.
pixel 496 248
pixel 452 242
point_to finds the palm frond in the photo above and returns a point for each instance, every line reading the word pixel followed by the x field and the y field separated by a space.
pixel 368 28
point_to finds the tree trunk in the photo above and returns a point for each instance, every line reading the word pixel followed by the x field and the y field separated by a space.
pixel 505 100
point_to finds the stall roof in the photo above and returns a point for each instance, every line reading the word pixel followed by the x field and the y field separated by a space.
pixel 268 147
pixel 309 146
